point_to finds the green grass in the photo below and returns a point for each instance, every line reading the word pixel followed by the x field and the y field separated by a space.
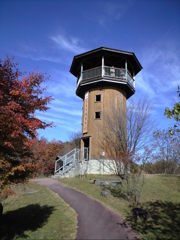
pixel 160 198
pixel 161 187
pixel 84 185
pixel 37 213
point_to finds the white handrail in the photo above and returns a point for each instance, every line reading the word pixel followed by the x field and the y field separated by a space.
pixel 69 160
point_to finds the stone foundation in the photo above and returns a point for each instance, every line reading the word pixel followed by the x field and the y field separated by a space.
pixel 100 166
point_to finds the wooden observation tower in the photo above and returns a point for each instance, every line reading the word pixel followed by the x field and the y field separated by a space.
pixel 105 78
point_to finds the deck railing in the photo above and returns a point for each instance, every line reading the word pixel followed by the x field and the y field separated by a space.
pixel 65 163
pixel 118 74
pixel 91 73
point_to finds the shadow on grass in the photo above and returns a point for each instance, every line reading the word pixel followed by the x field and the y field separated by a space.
pixel 163 221
pixel 117 192
pixel 14 223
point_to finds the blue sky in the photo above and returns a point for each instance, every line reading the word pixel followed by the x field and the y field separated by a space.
pixel 44 35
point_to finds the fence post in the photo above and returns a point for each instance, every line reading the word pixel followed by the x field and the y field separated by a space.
pixel 55 167
pixel 102 66
pixel 126 70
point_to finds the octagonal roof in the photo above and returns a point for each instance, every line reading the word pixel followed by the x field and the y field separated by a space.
pixel 106 52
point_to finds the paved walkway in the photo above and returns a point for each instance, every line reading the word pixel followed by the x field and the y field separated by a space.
pixel 94 220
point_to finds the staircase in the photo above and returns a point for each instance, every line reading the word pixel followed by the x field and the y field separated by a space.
pixel 69 164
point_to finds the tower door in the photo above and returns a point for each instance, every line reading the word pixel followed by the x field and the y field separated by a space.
pixel 86 148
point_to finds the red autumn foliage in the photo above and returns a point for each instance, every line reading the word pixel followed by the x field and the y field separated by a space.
pixel 44 155
pixel 20 97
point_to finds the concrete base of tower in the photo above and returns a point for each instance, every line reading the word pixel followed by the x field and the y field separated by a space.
pixel 98 166
pixel 92 166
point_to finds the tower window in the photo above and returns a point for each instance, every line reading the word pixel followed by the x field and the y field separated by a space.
pixel 98 98
pixel 97 115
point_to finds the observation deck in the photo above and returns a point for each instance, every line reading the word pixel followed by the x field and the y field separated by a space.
pixel 115 74
pixel 105 67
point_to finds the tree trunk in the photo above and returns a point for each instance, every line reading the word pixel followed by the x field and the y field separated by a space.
pixel 1 210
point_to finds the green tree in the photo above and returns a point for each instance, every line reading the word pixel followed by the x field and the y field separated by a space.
pixel 174 113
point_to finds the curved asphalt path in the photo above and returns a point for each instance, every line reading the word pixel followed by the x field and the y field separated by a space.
pixel 94 220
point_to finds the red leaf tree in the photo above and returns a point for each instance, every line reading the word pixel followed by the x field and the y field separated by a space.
pixel 20 97
pixel 44 155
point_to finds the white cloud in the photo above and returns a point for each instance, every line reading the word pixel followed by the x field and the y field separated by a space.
pixel 161 74
pixel 142 82
pixel 70 44
pixel 69 111
pixel 68 103
pixel 37 54
pixel 62 89
pixel 61 124
pixel 113 11
pixel 163 61
pixel 39 57
pixel 61 121
pixel 62 84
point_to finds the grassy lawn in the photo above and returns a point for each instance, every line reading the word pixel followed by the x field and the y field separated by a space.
pixel 37 213
pixel 160 197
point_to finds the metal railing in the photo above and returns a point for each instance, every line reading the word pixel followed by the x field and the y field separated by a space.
pixel 91 73
pixel 118 74
pixel 65 163
pixel 114 72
